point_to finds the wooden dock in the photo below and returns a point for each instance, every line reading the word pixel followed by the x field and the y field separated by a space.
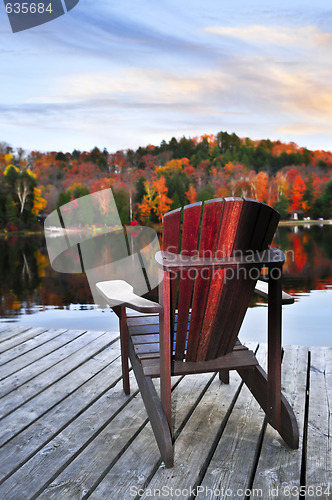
pixel 69 432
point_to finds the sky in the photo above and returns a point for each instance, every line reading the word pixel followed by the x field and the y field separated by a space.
pixel 124 74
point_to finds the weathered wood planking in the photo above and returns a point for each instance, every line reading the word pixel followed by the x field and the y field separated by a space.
pixel 35 342
pixel 47 371
pixel 239 439
pixel 106 449
pixel 17 335
pixel 319 441
pixel 142 458
pixel 40 351
pixel 278 464
pixel 11 330
pixel 209 417
pixel 46 423
pixel 71 432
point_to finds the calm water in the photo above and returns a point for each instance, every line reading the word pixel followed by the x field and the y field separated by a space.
pixel 32 294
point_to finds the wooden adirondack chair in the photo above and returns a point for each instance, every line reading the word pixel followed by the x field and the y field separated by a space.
pixel 212 257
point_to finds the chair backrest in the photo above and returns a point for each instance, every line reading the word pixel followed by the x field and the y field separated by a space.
pixel 214 303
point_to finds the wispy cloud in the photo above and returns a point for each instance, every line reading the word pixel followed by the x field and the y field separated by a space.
pixel 286 36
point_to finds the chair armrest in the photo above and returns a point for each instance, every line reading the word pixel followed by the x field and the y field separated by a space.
pixel 262 289
pixel 175 262
pixel 119 292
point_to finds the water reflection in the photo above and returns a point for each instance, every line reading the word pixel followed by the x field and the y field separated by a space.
pixel 308 263
pixel 28 283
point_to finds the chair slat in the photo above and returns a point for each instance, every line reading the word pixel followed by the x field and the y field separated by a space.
pixel 261 227
pixel 263 223
pixel 209 234
pixel 171 240
pixel 273 224
pixel 218 298
pixel 190 234
pixel 235 300
pixel 171 231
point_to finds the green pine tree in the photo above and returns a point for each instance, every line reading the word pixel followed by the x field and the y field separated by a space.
pixel 10 211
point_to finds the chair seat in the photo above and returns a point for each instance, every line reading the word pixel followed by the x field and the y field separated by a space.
pixel 144 336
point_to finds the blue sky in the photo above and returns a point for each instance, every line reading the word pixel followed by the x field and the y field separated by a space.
pixel 124 74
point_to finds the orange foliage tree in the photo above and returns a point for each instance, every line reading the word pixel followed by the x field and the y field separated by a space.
pixel 262 182
pixel 145 208
pixel 161 202
pixel 38 201
pixel 191 194
pixel 297 192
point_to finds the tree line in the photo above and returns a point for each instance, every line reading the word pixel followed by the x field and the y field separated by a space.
pixel 152 180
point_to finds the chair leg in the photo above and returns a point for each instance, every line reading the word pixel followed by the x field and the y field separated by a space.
pixel 257 381
pixel 154 410
pixel 121 313
pixel 224 376
pixel 267 388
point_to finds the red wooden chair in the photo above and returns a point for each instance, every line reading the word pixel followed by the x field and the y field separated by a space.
pixel 212 258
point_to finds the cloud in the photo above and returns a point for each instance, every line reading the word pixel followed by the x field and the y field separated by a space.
pixel 245 85
pixel 301 129
pixel 286 36
pixel 132 86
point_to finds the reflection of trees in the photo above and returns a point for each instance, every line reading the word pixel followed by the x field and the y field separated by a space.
pixel 311 265
pixel 27 279
pixel 18 269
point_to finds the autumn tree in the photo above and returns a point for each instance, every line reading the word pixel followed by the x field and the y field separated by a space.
pixel 219 182
pixel 191 194
pixel 145 208
pixel 20 186
pixel 39 203
pixel 262 182
pixel 161 202
pixel 25 186
pixel 297 192
pixel 281 183
pixel 237 182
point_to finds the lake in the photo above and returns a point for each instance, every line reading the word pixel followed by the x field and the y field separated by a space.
pixel 32 294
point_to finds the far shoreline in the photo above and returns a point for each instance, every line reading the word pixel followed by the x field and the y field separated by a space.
pixel 291 223
pixel 301 222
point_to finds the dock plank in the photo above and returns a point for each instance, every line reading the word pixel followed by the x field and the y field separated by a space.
pixel 32 343
pixel 61 338
pixel 45 429
pixel 47 463
pixel 228 471
pixel 105 450
pixel 44 373
pixel 17 335
pixel 11 330
pixel 279 465
pixel 77 339
pixel 319 446
pixel 54 395
pixel 69 432
pixel 195 442
pixel 142 457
